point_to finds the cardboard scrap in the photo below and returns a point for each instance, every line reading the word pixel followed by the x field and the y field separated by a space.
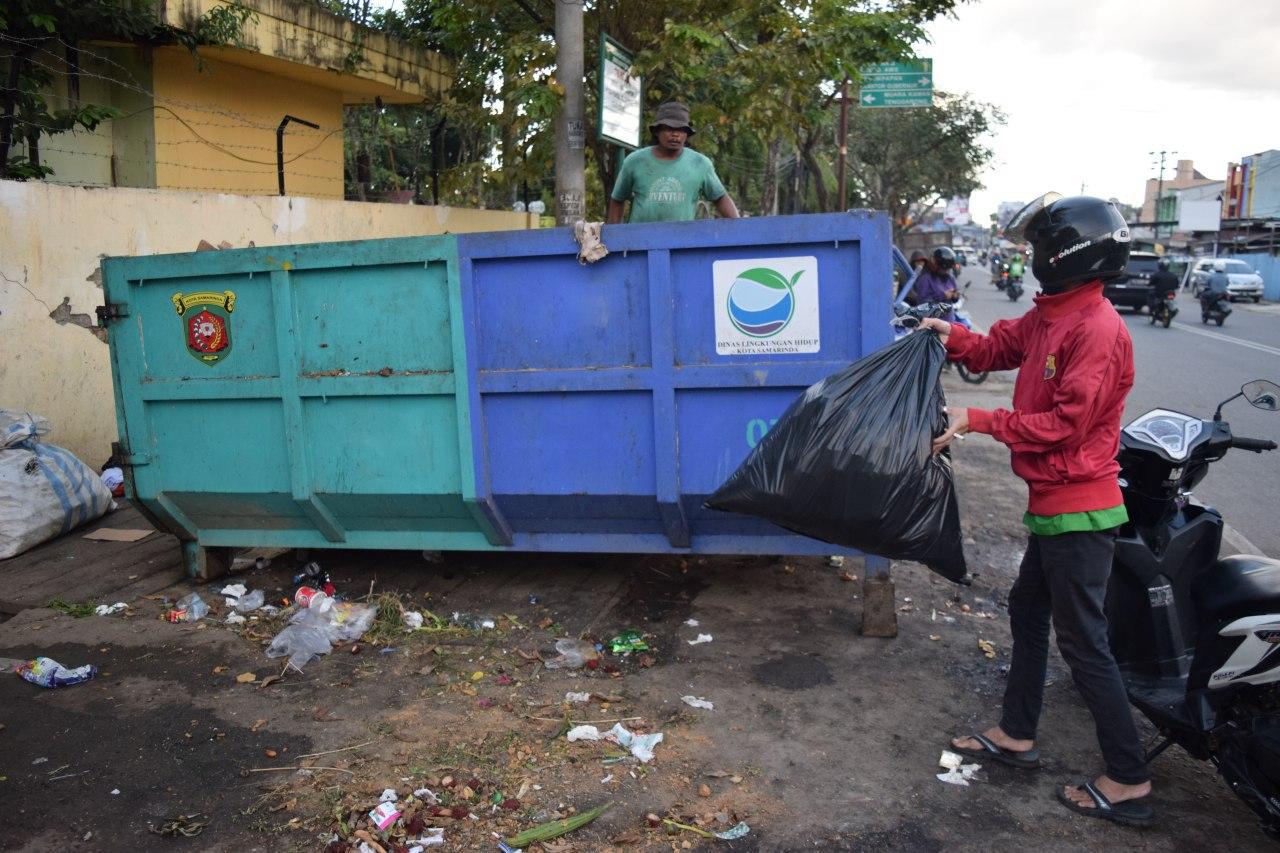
pixel 118 534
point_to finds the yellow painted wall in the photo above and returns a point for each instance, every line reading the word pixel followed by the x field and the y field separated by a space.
pixel 228 140
pixel 62 370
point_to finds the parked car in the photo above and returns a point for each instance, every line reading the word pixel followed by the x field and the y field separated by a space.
pixel 1243 282
pixel 964 255
pixel 1131 289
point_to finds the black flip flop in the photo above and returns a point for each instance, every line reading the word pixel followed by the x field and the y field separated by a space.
pixel 1027 760
pixel 1128 813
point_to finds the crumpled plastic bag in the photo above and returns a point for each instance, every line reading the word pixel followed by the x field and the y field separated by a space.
pixel 311 633
pixel 851 462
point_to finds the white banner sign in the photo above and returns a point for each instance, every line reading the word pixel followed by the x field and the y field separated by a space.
pixel 619 96
pixel 766 306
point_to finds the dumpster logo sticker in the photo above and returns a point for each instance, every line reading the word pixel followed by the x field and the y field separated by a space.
pixel 766 306
pixel 207 330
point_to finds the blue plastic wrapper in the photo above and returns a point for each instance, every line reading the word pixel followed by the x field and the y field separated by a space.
pixel 47 672
pixel 851 462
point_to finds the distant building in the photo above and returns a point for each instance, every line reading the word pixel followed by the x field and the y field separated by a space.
pixel 1253 187
pixel 1005 211
pixel 211 123
pixel 1185 177
pixel 1175 206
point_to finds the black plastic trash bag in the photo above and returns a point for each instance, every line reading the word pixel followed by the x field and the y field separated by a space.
pixel 851 462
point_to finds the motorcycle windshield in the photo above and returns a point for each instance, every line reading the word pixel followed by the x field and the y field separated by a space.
pixel 1016 230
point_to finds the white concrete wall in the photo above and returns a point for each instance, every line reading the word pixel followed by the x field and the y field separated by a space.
pixel 53 237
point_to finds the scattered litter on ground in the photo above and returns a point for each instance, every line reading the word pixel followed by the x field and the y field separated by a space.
pixel 42 760
pixel 427 796
pixel 247 677
pixel 384 815
pixel 116 534
pixel 837 561
pixel 250 601
pixel 641 746
pixel 232 592
pixel 692 623
pixel 848 577
pixel 572 654
pixel 234 618
pixel 190 608
pixel 433 838
pixel 695 702
pixel 389 795
pixel 47 672
pixel 186 825
pixel 584 733
pixel 958 773
pixel 474 623
pixel 577 698
pixel 700 639
pixel 412 620
pixel 735 832
pixel 108 609
pixel 628 641
pixel 311 633
pixel 556 828
pixel 988 649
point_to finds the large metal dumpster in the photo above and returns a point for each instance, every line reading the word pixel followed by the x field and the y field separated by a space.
pixel 482 391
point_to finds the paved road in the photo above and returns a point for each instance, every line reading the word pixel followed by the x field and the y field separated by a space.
pixel 1191 368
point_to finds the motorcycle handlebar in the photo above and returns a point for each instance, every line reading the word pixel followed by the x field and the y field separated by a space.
pixel 1257 445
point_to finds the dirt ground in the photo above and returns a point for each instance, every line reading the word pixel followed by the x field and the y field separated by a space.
pixel 819 738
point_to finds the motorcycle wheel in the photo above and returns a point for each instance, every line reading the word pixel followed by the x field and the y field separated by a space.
pixel 971 378
pixel 1013 295
pixel 1219 320
pixel 1168 318
pixel 1204 318
pixel 1153 318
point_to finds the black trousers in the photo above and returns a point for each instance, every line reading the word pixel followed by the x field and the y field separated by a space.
pixel 1064 578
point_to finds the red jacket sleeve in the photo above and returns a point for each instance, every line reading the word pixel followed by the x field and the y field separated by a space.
pixel 1099 360
pixel 1002 349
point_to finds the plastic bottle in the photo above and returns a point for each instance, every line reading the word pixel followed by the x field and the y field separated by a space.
pixel 310 598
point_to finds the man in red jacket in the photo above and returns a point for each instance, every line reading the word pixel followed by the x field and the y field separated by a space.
pixel 1075 368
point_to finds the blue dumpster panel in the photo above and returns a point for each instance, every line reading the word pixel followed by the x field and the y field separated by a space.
pixel 608 400
pixel 530 315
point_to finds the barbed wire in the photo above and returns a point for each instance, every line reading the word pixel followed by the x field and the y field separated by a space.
pixel 146 161
pixel 245 120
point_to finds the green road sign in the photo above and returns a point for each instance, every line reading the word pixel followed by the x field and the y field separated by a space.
pixel 897 84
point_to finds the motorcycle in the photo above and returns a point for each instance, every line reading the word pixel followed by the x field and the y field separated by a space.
pixel 1001 278
pixel 1215 307
pixel 1197 638
pixel 1014 288
pixel 1165 309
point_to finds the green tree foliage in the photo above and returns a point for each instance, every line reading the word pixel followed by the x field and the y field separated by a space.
pixel 762 78
pixel 36 36
pixel 905 160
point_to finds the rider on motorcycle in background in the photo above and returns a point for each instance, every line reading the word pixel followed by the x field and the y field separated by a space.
pixel 1162 282
pixel 937 283
pixel 1216 288
pixel 1016 266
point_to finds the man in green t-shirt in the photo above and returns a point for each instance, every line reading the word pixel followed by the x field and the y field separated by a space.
pixel 664 181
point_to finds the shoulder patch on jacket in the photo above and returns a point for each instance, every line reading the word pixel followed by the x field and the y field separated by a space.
pixel 1050 367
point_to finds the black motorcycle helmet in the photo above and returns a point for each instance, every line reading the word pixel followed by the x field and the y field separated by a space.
pixel 944 259
pixel 918 256
pixel 1163 264
pixel 1073 240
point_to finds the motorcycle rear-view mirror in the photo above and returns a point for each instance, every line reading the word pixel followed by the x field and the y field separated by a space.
pixel 1262 394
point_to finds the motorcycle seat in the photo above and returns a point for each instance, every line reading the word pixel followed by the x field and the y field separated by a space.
pixel 1236 587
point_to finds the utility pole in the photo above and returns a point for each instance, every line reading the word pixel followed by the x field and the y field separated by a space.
pixel 1155 213
pixel 570 128
pixel 844 143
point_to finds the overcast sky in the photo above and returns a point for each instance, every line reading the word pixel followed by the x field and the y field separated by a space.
pixel 1090 86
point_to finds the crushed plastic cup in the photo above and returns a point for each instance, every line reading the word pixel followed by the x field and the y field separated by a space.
pixel 472 622
pixel 251 602
pixel 46 672
pixel 572 654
